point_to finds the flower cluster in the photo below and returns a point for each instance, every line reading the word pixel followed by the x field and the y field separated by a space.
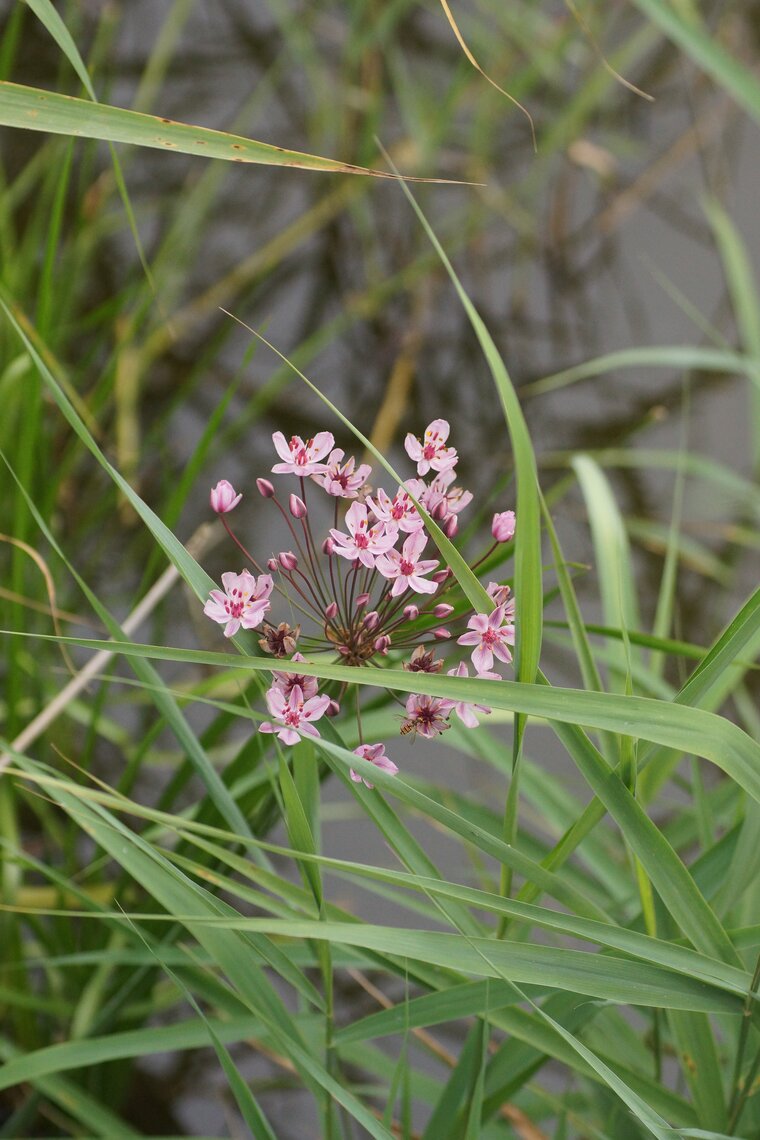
pixel 367 589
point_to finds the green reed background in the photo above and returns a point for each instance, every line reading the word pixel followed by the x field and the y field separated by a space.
pixel 591 967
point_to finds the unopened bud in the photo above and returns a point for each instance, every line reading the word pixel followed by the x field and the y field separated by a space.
pixel 224 497
pixel 411 612
pixel 451 526
pixel 442 610
pixel 371 619
pixel 361 601
pixel 331 610
pixel 297 507
pixel 439 510
pixel 441 634
pixel 265 488
pixel 328 546
pixel 441 576
pixel 382 644
pixel 503 526
pixel 332 709
pixel 344 651
pixel 499 593
pixel 272 565
pixel 287 560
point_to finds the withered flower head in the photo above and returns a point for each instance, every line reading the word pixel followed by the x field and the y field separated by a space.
pixel 423 661
pixel 282 641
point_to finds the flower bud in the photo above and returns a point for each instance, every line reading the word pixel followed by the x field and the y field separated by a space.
pixel 272 565
pixel 331 610
pixel 499 593
pixel 344 651
pixel 287 560
pixel 441 576
pixel 265 488
pixel 451 526
pixel 371 620
pixel 328 546
pixel 224 497
pixel 503 526
pixel 382 644
pixel 411 612
pixel 442 610
pixel 361 601
pixel 441 634
pixel 332 709
pixel 297 507
pixel 439 510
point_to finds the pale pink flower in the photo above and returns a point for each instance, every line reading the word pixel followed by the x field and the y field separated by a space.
pixel 286 682
pixel 244 603
pixel 223 497
pixel 501 597
pixel 464 710
pixel 363 542
pixel 440 499
pixel 375 753
pixel 293 714
pixel 427 715
pixel 431 452
pixel 343 480
pixel 399 510
pixel 491 638
pixel 407 568
pixel 302 457
pixel 503 526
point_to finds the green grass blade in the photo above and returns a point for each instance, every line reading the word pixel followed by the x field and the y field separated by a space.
pixel 689 33
pixel 30 108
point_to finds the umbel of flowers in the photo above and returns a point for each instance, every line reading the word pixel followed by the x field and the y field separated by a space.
pixel 366 590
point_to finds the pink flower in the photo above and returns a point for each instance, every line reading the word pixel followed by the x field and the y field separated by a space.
pixel 440 499
pixel 431 452
pixel 299 457
pixel 286 682
pixel 340 479
pixel 294 714
pixel 363 542
pixel 399 510
pixel 427 715
pixel 223 497
pixel 500 595
pixel 244 604
pixel 503 526
pixel 375 753
pixel 407 568
pixel 465 711
pixel 491 637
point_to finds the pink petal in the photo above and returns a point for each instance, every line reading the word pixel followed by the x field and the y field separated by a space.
pixel 323 442
pixel 281 447
pixel 289 736
pixel 440 428
pixel 422 585
pixel 482 658
pixel 413 446
pixel 414 545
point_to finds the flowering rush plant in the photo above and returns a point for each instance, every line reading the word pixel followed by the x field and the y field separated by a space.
pixel 366 590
